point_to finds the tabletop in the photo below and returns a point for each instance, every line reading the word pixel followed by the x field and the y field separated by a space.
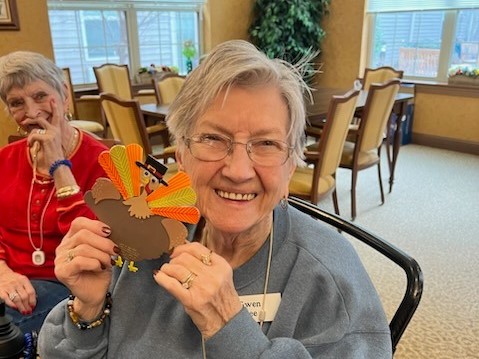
pixel 318 110
pixel 154 110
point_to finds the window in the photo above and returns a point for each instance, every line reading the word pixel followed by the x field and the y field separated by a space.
pixel 423 38
pixel 133 32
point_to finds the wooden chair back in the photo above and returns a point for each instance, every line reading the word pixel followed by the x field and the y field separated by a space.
pixel 93 124
pixel 380 75
pixel 167 88
pixel 377 111
pixel 126 120
pixel 114 79
pixel 314 184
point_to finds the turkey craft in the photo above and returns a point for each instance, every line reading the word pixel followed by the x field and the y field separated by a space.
pixel 144 211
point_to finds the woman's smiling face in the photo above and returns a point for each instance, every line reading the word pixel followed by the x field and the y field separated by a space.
pixel 33 100
pixel 235 193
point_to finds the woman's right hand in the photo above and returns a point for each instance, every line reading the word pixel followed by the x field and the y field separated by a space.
pixel 16 290
pixel 83 263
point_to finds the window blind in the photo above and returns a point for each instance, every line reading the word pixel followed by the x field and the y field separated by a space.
pixel 123 4
pixel 417 5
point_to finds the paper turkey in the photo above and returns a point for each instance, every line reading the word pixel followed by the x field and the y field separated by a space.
pixel 144 211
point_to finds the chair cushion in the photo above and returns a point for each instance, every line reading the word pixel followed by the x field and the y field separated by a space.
pixel 91 126
pixel 301 182
pixel 365 158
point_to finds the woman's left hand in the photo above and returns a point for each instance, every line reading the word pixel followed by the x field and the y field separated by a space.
pixel 203 282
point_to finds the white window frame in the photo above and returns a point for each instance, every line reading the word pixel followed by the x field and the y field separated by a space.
pixel 447 41
pixel 130 7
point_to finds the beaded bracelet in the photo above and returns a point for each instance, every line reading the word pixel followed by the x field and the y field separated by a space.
pixel 57 164
pixel 95 323
pixel 67 191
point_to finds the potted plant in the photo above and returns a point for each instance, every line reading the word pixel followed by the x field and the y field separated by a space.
pixel 465 75
pixel 289 29
pixel 189 52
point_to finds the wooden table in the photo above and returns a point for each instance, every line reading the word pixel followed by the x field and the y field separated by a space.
pixel 318 110
pixel 154 111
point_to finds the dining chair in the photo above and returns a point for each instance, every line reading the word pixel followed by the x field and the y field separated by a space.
pixel 317 182
pixel 115 79
pixel 167 87
pixel 94 122
pixel 364 150
pixel 375 75
pixel 380 75
pixel 127 124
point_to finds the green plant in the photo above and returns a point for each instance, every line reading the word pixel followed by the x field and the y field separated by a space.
pixel 288 29
pixel 189 50
pixel 464 70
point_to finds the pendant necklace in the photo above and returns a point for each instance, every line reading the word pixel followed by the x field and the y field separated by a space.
pixel 38 255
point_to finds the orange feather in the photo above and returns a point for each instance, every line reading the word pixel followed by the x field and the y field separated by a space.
pixel 182 214
pixel 135 153
pixel 178 181
pixel 105 161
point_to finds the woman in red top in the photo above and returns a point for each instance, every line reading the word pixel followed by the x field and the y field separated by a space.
pixel 42 181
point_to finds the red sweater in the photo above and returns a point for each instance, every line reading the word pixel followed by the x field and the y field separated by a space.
pixel 16 174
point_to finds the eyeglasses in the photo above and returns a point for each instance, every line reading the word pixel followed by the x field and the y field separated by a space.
pixel 210 147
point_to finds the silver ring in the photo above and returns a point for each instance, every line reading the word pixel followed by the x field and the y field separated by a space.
pixel 13 295
pixel 188 281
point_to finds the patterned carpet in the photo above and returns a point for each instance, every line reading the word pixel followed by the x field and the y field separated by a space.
pixel 432 214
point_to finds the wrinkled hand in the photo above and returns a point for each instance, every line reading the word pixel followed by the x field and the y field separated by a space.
pixel 208 293
pixel 49 137
pixel 17 292
pixel 83 264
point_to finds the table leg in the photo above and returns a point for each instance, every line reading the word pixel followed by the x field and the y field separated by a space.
pixel 396 141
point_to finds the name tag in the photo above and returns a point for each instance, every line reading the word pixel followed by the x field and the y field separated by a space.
pixel 254 304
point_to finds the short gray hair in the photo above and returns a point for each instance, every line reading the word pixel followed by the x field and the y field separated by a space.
pixel 239 63
pixel 21 68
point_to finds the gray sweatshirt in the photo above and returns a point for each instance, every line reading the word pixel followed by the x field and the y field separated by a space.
pixel 328 309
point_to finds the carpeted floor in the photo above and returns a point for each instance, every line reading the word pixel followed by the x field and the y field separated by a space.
pixel 432 214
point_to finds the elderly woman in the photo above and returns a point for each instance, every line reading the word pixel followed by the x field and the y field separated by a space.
pixel 258 279
pixel 41 186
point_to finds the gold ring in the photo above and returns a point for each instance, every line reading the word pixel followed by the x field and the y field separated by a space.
pixel 206 258
pixel 70 255
pixel 41 131
pixel 188 281
pixel 12 296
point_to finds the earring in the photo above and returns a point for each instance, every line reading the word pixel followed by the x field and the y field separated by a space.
pixel 21 131
pixel 284 203
pixel 68 116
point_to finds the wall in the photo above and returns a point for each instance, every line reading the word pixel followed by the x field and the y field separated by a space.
pixel 447 117
pixel 341 48
pixel 34 35
pixel 226 20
